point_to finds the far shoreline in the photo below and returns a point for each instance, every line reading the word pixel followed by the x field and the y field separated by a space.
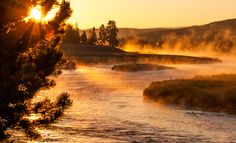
pixel 209 93
pixel 94 54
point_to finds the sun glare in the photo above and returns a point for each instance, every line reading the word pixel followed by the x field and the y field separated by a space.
pixel 50 15
pixel 35 13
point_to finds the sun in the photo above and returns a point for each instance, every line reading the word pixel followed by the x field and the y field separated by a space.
pixel 36 13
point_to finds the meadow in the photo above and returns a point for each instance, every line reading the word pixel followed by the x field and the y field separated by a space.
pixel 210 93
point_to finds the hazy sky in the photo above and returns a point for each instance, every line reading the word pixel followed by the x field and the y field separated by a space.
pixel 151 13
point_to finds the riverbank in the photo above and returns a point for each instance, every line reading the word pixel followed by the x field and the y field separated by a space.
pixel 212 93
pixel 136 67
pixel 93 54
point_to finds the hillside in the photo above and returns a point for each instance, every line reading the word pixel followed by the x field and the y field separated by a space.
pixel 217 36
pixel 132 32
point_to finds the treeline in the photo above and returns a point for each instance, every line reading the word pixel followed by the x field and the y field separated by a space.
pixel 105 35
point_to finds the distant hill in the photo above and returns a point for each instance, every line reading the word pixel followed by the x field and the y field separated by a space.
pixel 217 36
pixel 131 32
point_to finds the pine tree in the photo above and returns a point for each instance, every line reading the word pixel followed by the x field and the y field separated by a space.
pixel 84 39
pixel 72 34
pixel 111 33
pixel 93 37
pixel 29 54
pixel 102 35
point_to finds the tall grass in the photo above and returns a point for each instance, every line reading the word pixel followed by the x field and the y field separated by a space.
pixel 212 93
pixel 135 67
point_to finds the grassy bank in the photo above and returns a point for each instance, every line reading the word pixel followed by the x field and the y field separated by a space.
pixel 135 67
pixel 214 93
pixel 90 54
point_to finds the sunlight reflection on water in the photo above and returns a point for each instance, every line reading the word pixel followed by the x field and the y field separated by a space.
pixel 109 107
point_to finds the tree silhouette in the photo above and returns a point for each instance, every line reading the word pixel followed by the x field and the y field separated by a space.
pixel 84 39
pixel 102 35
pixel 93 37
pixel 29 56
pixel 72 34
pixel 111 33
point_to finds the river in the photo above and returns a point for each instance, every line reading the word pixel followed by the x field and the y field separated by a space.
pixel 109 107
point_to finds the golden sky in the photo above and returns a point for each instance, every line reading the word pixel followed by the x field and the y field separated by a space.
pixel 151 13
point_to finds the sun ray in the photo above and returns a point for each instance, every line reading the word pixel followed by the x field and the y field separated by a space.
pixel 36 13
pixel 50 15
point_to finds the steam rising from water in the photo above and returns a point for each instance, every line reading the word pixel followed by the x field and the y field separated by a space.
pixel 133 46
pixel 109 107
pixel 211 41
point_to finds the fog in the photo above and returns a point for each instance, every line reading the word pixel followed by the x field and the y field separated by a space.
pixel 213 40
pixel 176 49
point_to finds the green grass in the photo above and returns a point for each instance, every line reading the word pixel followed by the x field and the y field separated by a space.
pixel 213 93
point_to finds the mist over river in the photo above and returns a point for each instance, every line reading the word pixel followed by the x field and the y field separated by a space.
pixel 109 107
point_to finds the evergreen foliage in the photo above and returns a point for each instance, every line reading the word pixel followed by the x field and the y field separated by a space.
pixel 29 55
pixel 102 35
pixel 93 37
pixel 72 35
pixel 111 33
pixel 84 38
pixel 106 35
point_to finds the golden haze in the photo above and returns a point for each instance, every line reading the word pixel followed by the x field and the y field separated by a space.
pixel 151 13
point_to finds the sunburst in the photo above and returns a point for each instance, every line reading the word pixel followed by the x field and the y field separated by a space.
pixel 35 13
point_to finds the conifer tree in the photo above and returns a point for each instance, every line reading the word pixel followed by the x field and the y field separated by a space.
pixel 111 33
pixel 102 35
pixel 72 34
pixel 29 56
pixel 93 37
pixel 84 38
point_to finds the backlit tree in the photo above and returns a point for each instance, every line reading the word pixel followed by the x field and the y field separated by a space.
pixel 72 34
pixel 111 33
pixel 84 38
pixel 102 35
pixel 29 54
pixel 93 37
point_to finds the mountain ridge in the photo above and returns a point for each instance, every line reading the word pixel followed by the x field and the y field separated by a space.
pixel 219 36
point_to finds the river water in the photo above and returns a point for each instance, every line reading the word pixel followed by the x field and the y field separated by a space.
pixel 109 107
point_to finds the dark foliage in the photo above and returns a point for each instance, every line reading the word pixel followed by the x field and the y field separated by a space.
pixel 93 37
pixel 72 35
pixel 29 54
pixel 84 38
pixel 136 67
pixel 106 35
pixel 102 35
pixel 111 33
